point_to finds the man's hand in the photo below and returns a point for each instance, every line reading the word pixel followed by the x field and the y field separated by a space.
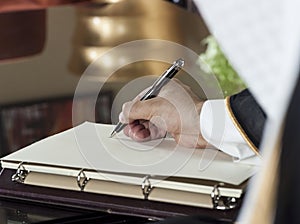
pixel 175 110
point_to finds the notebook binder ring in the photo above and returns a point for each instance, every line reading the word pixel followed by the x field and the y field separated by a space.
pixel 219 202
pixel 146 187
pixel 20 174
pixel 82 180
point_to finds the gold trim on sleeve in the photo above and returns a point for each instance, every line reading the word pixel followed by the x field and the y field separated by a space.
pixel 239 128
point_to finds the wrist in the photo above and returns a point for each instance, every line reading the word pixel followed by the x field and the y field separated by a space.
pixel 199 106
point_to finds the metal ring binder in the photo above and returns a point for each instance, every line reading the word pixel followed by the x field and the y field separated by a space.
pixel 82 183
pixel 146 187
pixel 219 202
pixel 20 174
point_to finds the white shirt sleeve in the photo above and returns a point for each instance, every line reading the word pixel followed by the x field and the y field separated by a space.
pixel 218 129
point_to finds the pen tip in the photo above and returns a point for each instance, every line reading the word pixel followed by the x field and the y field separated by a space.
pixel 113 134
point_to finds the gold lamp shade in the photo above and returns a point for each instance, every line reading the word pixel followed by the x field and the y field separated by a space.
pixel 102 25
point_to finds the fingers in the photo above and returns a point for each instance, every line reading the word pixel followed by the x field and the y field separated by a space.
pixel 126 108
pixel 137 131
pixel 136 110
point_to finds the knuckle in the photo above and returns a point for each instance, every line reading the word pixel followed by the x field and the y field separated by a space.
pixel 126 106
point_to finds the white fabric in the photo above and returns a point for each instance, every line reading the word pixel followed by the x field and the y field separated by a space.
pixel 254 37
pixel 261 40
pixel 212 128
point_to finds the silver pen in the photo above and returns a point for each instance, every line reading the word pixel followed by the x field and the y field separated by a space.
pixel 155 88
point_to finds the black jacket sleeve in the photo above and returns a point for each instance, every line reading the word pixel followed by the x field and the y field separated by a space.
pixel 248 117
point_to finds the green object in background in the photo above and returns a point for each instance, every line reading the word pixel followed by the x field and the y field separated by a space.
pixel 214 62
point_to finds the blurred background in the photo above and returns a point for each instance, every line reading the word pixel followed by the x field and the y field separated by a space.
pixel 44 52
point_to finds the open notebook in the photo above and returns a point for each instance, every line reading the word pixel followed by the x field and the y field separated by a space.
pixel 84 158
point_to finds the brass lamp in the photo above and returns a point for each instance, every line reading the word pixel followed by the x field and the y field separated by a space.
pixel 102 25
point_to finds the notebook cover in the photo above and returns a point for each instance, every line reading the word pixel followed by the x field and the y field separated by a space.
pixel 98 202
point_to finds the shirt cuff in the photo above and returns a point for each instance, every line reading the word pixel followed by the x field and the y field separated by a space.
pixel 218 129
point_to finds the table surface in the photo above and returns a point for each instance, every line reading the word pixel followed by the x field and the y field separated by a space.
pixel 21 212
